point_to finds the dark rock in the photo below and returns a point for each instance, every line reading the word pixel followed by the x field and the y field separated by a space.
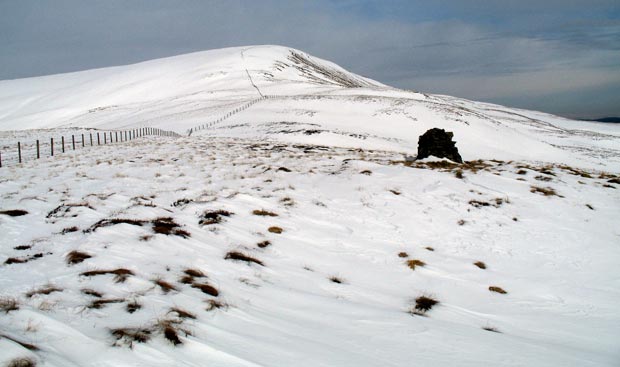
pixel 438 143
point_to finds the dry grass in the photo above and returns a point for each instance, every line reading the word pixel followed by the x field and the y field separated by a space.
pixel 182 313
pixel 546 191
pixel 263 244
pixel 213 304
pixel 129 336
pixel 236 255
pixel 403 254
pixel 23 344
pixel 168 227
pixel 165 286
pixel 366 172
pixel 76 257
pixel 336 280
pixel 91 292
pixel 429 248
pixel 275 229
pixel 45 290
pixel 287 201
pixel 186 279
pixel 22 362
pixel 22 247
pixel 414 263
pixel 13 212
pixel 69 230
pixel 196 273
pixel 207 289
pixel 101 303
pixel 491 329
pixel 264 213
pixel 480 264
pixel 133 306
pixel 120 275
pixel 424 304
pixel 213 217
pixel 8 304
pixel 497 290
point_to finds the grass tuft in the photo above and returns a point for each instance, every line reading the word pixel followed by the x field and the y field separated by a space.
pixel 76 257
pixel 120 275
pixel 480 264
pixel 413 263
pixel 91 292
pixel 13 212
pixel 213 217
pixel 403 254
pixel 194 273
pixel 133 306
pixel 48 289
pixel 425 303
pixel 263 244
pixel 275 229
pixel 164 285
pixel 101 303
pixel 264 213
pixel 236 255
pixel 8 304
pixel 22 362
pixel 182 313
pixel 206 288
pixel 497 290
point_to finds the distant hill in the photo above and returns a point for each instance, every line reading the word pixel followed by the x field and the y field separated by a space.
pixel 607 119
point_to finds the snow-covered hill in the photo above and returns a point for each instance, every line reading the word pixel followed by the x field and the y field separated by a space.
pixel 312 101
pixel 290 230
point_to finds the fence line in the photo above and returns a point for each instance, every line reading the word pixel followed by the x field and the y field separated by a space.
pixel 109 137
pixel 229 114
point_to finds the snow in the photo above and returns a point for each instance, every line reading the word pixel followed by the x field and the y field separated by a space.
pixel 329 160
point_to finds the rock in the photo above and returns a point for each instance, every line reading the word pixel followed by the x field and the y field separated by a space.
pixel 438 143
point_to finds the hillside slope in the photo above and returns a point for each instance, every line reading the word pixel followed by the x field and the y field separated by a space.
pixel 311 100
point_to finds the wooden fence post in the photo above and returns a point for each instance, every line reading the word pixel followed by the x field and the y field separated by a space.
pixel 105 138
pixel 38 154
pixel 52 146
pixel 19 151
pixel 62 138
pixel 98 140
pixel 111 141
pixel 0 159
pixel 91 139
pixel 82 140
pixel 116 133
pixel 73 141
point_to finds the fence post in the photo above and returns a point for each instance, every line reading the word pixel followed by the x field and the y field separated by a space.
pixel 105 138
pixel 82 140
pixel 98 140
pixel 73 141
pixel 116 133
pixel 0 159
pixel 91 139
pixel 52 146
pixel 111 140
pixel 62 138
pixel 38 154
pixel 19 151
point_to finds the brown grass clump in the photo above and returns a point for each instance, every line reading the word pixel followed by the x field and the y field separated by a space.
pixel 133 306
pixel 23 344
pixel 366 172
pixel 182 313
pixel 429 248
pixel 69 230
pixel 194 273
pixel 101 303
pixel 22 247
pixel 287 201
pixel 213 217
pixel 283 169
pixel 336 280
pixel 76 257
pixel 206 288
pixel 213 304
pixel 45 290
pixel 22 362
pixel 13 212
pixel 236 255
pixel 415 263
pixel 171 334
pixel 120 275
pixel 424 304
pixel 480 264
pixel 263 244
pixel 459 174
pixel 546 191
pixel 403 254
pixel 275 229
pixel 491 329
pixel 91 292
pixel 264 213
pixel 186 279
pixel 8 304
pixel 168 227
pixel 165 286
pixel 497 290
pixel 128 336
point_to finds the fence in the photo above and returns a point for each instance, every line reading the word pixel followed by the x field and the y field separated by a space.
pixel 229 114
pixel 37 149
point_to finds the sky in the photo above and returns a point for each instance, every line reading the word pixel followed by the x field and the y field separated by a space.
pixel 557 56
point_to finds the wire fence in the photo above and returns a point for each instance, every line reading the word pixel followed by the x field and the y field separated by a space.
pixel 28 149
pixel 244 107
